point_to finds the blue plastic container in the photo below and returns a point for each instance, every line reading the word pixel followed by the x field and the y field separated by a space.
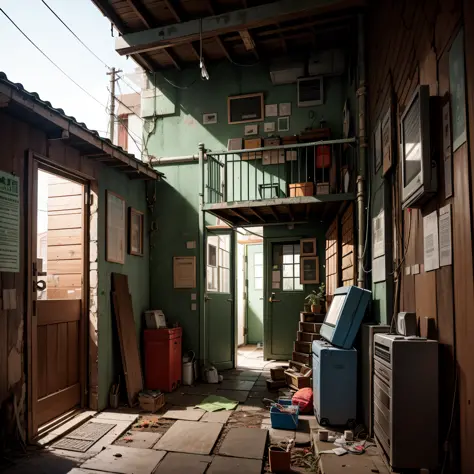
pixel 284 421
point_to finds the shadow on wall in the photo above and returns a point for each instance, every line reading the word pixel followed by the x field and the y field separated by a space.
pixel 176 221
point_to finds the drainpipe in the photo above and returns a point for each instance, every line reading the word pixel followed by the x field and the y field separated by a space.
pixel 174 159
pixel 363 145
pixel 201 265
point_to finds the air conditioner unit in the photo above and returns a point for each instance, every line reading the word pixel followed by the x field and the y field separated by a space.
pixel 286 71
pixel 327 63
pixel 310 91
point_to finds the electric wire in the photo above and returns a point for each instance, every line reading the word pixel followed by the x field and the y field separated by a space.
pixel 84 44
pixel 58 67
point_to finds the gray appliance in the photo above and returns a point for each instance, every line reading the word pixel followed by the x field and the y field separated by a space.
pixel 406 400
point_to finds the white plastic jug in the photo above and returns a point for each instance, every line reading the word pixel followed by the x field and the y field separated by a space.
pixel 188 373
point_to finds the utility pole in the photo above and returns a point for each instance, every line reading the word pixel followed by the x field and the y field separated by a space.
pixel 113 73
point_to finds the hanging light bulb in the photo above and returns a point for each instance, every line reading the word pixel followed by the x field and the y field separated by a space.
pixel 204 73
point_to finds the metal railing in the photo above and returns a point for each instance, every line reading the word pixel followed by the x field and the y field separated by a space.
pixel 306 169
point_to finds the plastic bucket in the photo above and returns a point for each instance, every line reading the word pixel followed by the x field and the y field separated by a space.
pixel 188 373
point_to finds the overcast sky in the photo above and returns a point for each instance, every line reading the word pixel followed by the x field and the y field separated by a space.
pixel 23 63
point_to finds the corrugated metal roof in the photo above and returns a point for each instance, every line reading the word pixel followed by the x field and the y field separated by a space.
pixel 37 99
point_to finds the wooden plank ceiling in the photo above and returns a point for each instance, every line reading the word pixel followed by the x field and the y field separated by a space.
pixel 286 38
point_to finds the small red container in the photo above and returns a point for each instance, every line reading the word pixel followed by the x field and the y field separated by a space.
pixel 323 156
pixel 163 365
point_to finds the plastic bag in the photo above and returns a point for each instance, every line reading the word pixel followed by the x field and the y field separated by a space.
pixel 304 399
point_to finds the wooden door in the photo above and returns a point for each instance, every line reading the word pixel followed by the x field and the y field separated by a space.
pixel 255 282
pixel 57 257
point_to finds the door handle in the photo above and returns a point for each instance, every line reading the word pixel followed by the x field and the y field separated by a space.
pixel 261 298
pixel 272 300
pixel 230 300
pixel 40 285
pixel 206 298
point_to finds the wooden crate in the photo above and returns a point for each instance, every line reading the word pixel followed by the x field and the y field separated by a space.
pixel 296 380
pixel 301 189
pixel 276 384
pixel 278 373
pixel 304 347
pixel 302 358
pixel 307 336
pixel 298 366
pixel 311 317
pixel 310 327
pixel 151 404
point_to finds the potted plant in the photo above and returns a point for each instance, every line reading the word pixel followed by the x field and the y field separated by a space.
pixel 317 298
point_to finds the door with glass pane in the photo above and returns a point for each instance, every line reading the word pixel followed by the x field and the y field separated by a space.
pixel 219 302
pixel 285 298
pixel 255 294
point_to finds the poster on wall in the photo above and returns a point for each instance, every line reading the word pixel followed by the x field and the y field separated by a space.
pixel 9 223
pixel 458 90
pixel 445 239
pixel 378 226
pixel 430 242
pixel 115 231
pixel 184 272
pixel 135 232
pixel 447 151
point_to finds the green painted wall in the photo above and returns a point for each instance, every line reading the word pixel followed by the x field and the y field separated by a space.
pixel 137 269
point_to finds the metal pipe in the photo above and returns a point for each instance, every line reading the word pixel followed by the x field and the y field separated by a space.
pixel 362 165
pixel 174 159
pixel 201 265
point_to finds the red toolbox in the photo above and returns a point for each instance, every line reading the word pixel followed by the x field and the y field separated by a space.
pixel 163 359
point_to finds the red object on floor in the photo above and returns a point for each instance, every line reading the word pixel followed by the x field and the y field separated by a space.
pixel 163 365
pixel 304 399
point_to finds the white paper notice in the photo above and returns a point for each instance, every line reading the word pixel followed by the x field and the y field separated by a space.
pixel 271 110
pixel 9 223
pixel 379 234
pixel 445 243
pixel 430 241
pixel 276 276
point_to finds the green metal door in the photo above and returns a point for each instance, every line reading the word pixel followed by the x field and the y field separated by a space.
pixel 284 296
pixel 219 301
pixel 255 282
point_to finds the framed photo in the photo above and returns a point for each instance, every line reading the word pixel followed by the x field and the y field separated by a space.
pixel 283 124
pixel 308 247
pixel 309 268
pixel 234 144
pixel 209 119
pixel 251 130
pixel 284 109
pixel 269 127
pixel 135 232
pixel 115 230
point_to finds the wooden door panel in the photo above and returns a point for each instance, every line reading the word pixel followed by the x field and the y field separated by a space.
pixel 58 311
pixel 58 403
pixel 73 352
pixel 42 345
pixel 62 356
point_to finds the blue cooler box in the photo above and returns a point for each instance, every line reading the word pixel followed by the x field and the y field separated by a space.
pixel 334 384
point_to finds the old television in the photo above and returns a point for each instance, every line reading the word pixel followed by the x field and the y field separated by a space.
pixel 345 316
pixel 419 172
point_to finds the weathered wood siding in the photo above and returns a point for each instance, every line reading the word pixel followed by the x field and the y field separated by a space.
pixel 332 259
pixel 348 250
pixel 408 44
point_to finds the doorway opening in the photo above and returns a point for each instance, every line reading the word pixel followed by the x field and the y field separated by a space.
pixel 250 296
pixel 57 305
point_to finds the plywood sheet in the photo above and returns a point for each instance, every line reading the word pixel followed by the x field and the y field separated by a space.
pixel 223 465
pixel 127 335
pixel 178 463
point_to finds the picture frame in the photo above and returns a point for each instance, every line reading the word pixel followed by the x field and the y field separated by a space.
pixel 269 127
pixel 245 108
pixel 271 110
pixel 135 232
pixel 309 270
pixel 235 144
pixel 115 228
pixel 209 119
pixel 308 247
pixel 284 109
pixel 283 124
pixel 251 130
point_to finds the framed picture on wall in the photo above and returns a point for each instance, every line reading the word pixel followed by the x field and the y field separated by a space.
pixel 309 269
pixel 308 247
pixel 115 230
pixel 135 232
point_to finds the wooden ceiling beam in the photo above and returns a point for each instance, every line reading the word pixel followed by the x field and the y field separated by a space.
pixel 248 41
pixel 109 12
pixel 144 63
pixel 172 57
pixel 255 213
pixel 253 17
pixel 239 215
pixel 173 8
pixel 274 213
pixel 141 11
pixel 224 48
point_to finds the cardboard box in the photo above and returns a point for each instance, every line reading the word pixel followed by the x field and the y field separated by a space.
pixel 301 189
pixel 248 145
pixel 151 403
pixel 322 188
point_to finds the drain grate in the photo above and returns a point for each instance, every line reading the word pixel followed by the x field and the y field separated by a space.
pixel 84 437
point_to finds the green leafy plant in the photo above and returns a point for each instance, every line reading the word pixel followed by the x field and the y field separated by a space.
pixel 317 297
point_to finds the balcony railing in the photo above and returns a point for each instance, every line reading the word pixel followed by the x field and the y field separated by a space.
pixel 309 169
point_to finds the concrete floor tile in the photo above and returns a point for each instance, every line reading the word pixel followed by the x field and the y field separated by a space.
pixel 236 395
pixel 245 385
pixel 280 436
pixel 217 416
pixel 123 460
pixel 192 437
pixel 184 400
pixel 184 413
pixel 226 465
pixel 244 443
pixel 114 416
pixel 180 463
pixel 139 439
